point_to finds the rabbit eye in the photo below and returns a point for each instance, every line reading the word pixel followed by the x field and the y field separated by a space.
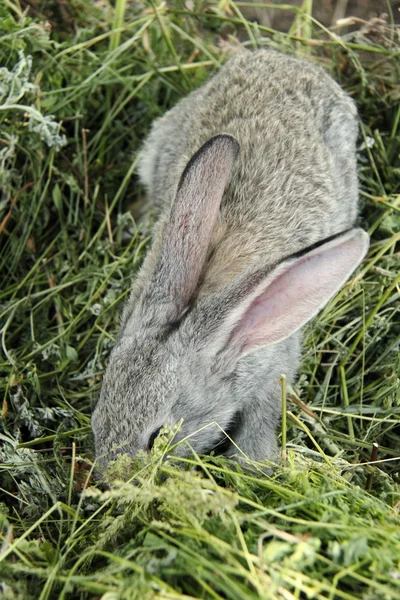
pixel 152 439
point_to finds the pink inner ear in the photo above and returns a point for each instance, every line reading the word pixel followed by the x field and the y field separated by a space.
pixel 297 294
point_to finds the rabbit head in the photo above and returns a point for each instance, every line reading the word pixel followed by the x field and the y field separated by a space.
pixel 183 355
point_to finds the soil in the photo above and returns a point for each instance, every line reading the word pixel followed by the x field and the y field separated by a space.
pixel 327 12
pixel 62 15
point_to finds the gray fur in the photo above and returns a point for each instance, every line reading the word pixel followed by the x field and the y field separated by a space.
pixel 194 340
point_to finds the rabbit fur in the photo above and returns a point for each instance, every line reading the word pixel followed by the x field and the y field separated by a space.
pixel 250 175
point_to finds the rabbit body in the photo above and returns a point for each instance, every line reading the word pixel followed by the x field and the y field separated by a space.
pixel 295 181
pixel 205 335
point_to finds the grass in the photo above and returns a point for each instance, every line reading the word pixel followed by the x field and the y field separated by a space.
pixel 77 96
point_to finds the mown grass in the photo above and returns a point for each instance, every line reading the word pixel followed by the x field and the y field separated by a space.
pixel 76 99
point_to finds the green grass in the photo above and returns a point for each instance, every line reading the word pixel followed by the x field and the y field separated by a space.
pixel 76 99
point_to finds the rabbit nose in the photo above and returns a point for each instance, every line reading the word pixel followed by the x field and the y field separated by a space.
pixel 152 439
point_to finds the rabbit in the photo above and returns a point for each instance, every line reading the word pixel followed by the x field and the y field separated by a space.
pixel 254 179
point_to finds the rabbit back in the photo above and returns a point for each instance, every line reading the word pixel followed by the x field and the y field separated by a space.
pixel 295 182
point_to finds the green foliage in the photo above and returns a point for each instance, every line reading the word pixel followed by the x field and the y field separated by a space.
pixel 80 84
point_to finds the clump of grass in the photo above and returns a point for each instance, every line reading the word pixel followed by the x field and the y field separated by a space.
pixel 76 99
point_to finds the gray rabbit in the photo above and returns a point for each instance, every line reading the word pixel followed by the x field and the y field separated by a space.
pixel 254 177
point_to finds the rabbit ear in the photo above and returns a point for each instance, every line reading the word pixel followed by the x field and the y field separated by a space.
pixel 271 305
pixel 187 234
